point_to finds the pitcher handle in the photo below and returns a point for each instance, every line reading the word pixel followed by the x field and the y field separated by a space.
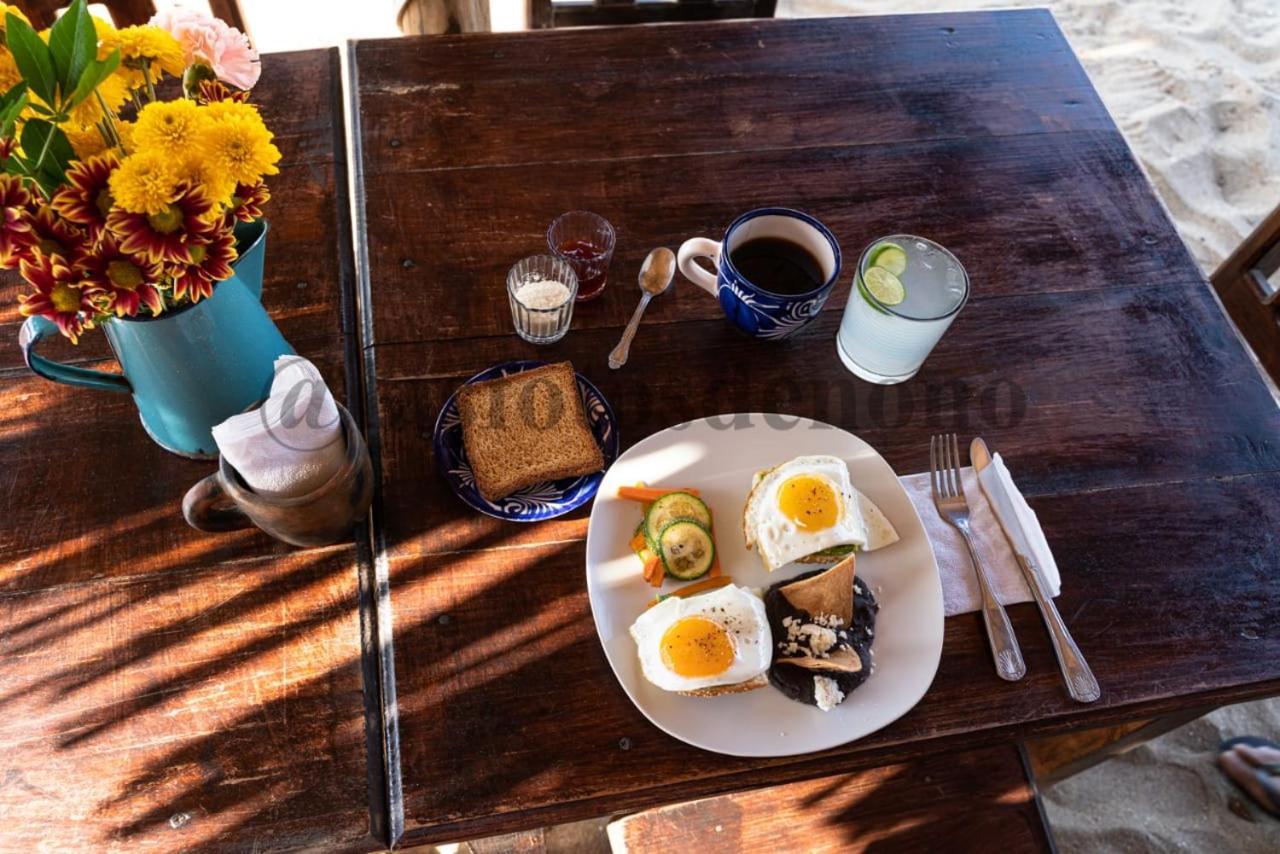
pixel 699 247
pixel 37 327
pixel 207 508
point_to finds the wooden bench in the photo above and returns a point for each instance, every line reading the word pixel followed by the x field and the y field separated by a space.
pixel 980 800
pixel 1245 283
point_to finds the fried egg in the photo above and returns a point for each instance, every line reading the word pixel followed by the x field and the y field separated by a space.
pixel 720 637
pixel 807 505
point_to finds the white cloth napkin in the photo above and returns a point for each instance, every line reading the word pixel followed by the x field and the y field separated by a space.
pixel 293 443
pixel 959 580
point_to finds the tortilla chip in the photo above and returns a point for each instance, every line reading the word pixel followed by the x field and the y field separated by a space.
pixel 843 660
pixel 828 593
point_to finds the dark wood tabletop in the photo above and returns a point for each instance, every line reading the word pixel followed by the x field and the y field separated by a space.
pixel 164 689
pixel 1092 355
pixel 175 690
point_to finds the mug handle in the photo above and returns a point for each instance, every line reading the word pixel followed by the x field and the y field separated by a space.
pixel 699 247
pixel 207 508
pixel 33 330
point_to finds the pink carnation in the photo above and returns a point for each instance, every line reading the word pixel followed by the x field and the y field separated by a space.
pixel 209 41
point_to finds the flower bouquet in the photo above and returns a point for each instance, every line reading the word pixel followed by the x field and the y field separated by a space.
pixel 131 197
pixel 129 155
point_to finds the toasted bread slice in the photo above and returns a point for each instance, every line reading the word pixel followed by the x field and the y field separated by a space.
pixel 525 429
pixel 738 688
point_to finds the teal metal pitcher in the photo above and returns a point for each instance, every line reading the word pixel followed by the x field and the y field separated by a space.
pixel 189 368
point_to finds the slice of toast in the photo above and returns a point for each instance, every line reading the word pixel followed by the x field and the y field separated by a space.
pixel 738 688
pixel 526 429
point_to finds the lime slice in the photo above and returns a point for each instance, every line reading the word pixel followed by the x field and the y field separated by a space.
pixel 884 286
pixel 890 256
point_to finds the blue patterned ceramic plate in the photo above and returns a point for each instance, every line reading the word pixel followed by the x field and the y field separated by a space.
pixel 543 500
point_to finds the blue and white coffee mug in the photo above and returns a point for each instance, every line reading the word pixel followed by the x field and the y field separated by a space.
pixel 754 310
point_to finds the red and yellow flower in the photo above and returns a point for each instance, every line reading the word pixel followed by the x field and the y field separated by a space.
pixel 209 91
pixel 86 199
pixel 53 235
pixel 167 235
pixel 119 282
pixel 58 295
pixel 15 222
pixel 210 263
pixel 248 200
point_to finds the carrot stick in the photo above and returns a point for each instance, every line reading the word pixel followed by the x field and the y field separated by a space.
pixel 715 565
pixel 698 587
pixel 653 571
pixel 637 542
pixel 701 586
pixel 649 493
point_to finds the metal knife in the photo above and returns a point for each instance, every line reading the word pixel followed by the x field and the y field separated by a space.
pixel 1080 680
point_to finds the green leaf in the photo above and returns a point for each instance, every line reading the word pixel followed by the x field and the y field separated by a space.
pixel 32 57
pixel 73 43
pixel 8 99
pixel 95 73
pixel 11 106
pixel 52 172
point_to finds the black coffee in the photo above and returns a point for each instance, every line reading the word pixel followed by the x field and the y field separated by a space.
pixel 778 266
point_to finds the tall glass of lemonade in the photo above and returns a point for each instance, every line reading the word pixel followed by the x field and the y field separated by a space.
pixel 906 291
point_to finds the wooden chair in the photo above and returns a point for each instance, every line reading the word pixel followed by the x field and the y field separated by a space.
pixel 545 14
pixel 1248 283
pixel 979 800
pixel 124 13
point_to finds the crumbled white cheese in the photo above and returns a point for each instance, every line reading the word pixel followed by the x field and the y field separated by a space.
pixel 827 693
pixel 831 621
pixel 819 638
pixel 815 639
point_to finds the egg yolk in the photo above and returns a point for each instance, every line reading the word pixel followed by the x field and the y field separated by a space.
pixel 809 501
pixel 696 646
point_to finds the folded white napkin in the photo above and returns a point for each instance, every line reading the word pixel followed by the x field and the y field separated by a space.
pixel 959 580
pixel 293 443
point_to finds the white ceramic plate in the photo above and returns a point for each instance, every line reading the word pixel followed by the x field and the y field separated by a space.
pixel 718 456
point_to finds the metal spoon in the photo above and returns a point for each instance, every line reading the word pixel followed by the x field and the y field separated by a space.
pixel 656 273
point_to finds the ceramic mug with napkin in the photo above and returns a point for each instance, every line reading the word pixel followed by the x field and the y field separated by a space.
pixel 297 467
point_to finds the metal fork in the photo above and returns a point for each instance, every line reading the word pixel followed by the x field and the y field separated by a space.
pixel 948 498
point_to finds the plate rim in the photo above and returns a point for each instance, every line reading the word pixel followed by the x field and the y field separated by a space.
pixel 756 418
pixel 611 453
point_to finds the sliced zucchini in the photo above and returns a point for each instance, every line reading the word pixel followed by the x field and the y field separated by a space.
pixel 669 508
pixel 686 549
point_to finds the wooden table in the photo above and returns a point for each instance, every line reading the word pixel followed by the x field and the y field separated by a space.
pixel 178 691
pixel 163 689
pixel 1092 355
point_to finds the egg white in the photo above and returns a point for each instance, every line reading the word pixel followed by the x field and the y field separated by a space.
pixel 780 541
pixel 737 609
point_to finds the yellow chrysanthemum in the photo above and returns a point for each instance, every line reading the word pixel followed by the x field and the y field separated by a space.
pixel 86 142
pixel 238 145
pixel 218 186
pixel 216 110
pixel 114 91
pixel 86 114
pixel 10 76
pixel 106 32
pixel 124 130
pixel 147 47
pixel 146 182
pixel 170 126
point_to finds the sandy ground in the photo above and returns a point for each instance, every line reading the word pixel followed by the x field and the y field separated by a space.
pixel 1168 795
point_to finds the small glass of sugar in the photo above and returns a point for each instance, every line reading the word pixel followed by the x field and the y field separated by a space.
pixel 541 290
